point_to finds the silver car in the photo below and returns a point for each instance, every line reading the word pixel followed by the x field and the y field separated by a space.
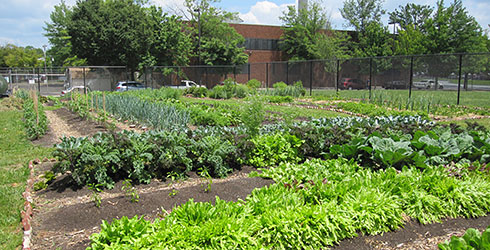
pixel 129 85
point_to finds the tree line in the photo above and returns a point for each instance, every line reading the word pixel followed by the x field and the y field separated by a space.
pixel 136 34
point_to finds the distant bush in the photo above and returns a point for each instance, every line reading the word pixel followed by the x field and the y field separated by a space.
pixel 196 91
pixel 279 85
pixel 254 84
pixel 228 90
pixel 282 89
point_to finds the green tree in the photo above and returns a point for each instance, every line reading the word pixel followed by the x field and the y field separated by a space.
pixel 410 41
pixel 57 34
pixel 110 32
pixel 411 15
pixel 23 57
pixel 307 35
pixel 453 30
pixel 169 44
pixel 219 43
pixel 360 13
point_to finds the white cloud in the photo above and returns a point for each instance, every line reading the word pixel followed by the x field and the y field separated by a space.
pixel 264 12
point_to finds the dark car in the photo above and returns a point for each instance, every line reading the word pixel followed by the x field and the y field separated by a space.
pixel 395 85
pixel 129 85
pixel 352 83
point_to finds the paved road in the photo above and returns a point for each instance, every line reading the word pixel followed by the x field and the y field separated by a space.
pixel 454 86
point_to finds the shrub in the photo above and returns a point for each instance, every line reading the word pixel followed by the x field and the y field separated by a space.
pixel 219 92
pixel 254 84
pixel 198 92
pixel 279 85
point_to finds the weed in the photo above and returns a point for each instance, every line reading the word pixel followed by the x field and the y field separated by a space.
pixel 95 188
pixel 130 190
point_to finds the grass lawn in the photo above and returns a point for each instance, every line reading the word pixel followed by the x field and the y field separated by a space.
pixel 16 151
pixel 468 98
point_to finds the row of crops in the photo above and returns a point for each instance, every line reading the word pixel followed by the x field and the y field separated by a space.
pixel 311 205
pixel 333 177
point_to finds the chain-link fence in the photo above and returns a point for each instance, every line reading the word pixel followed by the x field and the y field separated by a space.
pixel 409 75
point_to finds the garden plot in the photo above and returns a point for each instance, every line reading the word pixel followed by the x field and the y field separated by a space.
pixel 65 215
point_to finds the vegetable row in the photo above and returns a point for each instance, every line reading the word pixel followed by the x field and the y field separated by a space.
pixel 311 206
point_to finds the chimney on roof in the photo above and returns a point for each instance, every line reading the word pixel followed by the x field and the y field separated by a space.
pixel 302 4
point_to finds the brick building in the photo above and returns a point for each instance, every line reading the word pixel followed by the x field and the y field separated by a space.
pixel 261 42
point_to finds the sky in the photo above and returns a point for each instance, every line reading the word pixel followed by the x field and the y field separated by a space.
pixel 22 21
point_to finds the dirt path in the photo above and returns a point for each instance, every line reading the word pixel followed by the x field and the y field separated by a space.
pixel 63 122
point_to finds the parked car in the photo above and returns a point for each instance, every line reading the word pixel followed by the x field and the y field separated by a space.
pixel 351 83
pixel 129 85
pixel 427 84
pixel 185 84
pixel 395 85
pixel 78 89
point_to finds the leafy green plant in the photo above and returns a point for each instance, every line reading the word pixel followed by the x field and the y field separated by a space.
pixel 472 239
pixel 96 190
pixel 206 185
pixel 253 116
pixel 254 84
pixel 271 150
pixel 47 177
pixel 130 190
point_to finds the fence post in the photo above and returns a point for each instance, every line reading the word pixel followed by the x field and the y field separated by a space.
pixel 459 76
pixel 144 81
pixel 38 81
pixel 311 76
pixel 338 79
pixel 84 83
pixel 370 75
pixel 206 78
pixel 234 72
pixel 267 75
pixel 287 72
pixel 249 71
pixel 411 78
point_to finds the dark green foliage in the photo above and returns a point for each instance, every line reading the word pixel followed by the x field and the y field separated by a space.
pixel 215 155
